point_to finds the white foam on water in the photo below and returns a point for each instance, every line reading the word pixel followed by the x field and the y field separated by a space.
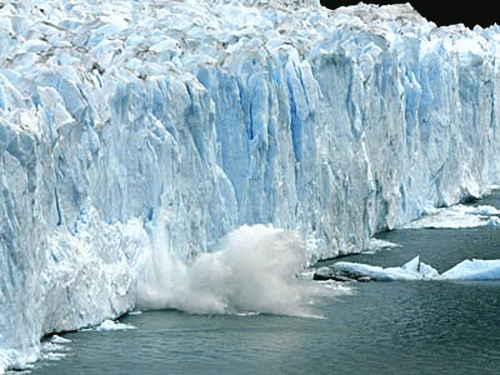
pixel 55 349
pixel 248 313
pixel 53 356
pixel 254 271
pixel 135 312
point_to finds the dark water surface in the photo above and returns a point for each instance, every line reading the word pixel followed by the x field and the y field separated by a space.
pixel 425 327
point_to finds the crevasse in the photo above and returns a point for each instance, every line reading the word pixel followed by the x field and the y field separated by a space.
pixel 116 116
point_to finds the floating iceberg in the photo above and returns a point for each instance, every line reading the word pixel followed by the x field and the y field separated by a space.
pixel 474 269
pixel 111 325
pixel 485 270
pixel 413 270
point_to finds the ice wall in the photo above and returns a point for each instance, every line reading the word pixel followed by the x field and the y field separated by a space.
pixel 211 114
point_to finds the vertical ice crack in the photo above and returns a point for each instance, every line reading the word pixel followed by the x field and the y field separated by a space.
pixel 295 124
pixel 58 208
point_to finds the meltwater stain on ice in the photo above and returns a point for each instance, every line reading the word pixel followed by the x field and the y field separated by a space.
pixel 255 270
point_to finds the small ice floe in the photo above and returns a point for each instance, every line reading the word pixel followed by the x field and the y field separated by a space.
pixel 374 245
pixel 413 270
pixel 111 325
pixel 59 340
pixel 475 269
pixel 248 313
pixel 135 312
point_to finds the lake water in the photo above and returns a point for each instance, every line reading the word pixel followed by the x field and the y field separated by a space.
pixel 425 327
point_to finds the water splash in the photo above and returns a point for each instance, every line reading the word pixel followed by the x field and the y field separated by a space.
pixel 255 270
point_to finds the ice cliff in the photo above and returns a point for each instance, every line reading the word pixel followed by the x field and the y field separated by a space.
pixel 119 119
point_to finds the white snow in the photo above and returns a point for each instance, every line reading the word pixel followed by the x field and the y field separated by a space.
pixel 206 115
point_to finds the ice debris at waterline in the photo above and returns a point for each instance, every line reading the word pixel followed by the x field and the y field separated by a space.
pixel 216 113
pixel 110 325
pixel 255 270
pixel 55 349
pixel 457 216
pixel 480 270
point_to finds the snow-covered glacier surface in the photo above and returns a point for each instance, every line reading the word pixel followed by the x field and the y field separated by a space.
pixel 123 119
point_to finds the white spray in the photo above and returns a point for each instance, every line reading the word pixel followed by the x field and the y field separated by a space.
pixel 255 270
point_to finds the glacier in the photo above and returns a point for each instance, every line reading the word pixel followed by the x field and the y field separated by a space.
pixel 123 119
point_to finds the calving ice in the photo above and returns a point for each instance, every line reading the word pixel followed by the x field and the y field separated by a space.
pixel 255 270
pixel 208 115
